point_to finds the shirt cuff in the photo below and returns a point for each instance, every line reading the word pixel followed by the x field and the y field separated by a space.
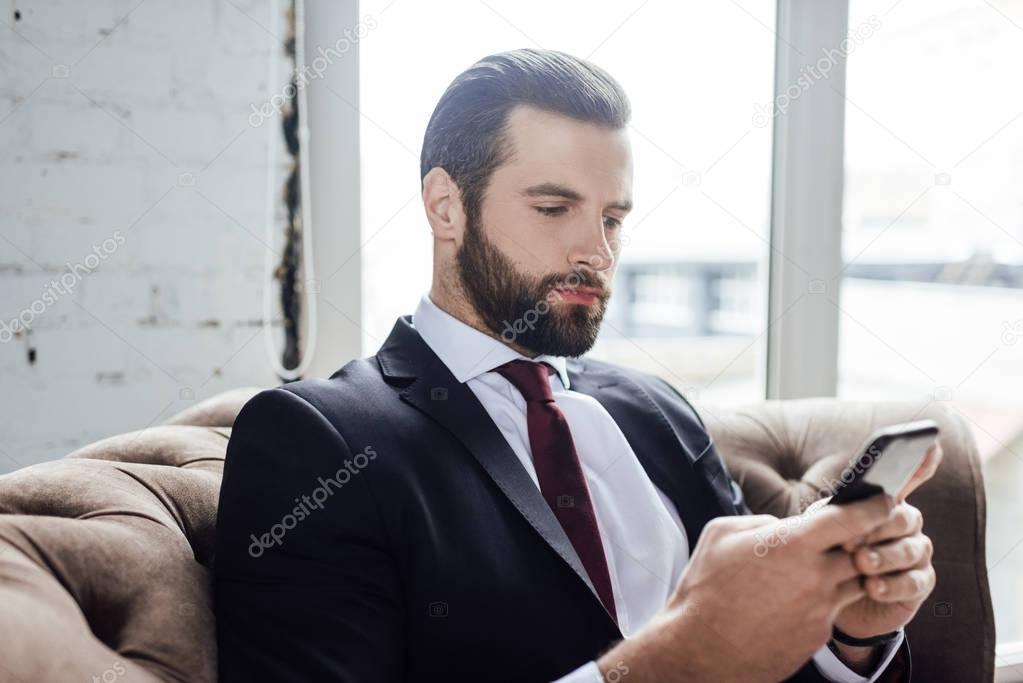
pixel 828 665
pixel 831 667
pixel 588 673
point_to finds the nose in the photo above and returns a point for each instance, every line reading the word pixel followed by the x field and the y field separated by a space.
pixel 593 251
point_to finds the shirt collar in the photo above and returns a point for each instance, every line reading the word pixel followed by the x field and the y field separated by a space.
pixel 466 351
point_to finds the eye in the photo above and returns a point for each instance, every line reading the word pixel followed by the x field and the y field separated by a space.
pixel 612 222
pixel 551 210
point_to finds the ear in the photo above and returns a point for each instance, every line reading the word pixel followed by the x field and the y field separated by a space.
pixel 443 204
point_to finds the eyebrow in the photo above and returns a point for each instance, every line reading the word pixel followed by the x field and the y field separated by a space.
pixel 557 190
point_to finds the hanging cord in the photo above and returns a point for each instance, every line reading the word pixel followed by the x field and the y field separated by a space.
pixel 299 226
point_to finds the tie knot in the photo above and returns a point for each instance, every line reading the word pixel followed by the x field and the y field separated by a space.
pixel 529 378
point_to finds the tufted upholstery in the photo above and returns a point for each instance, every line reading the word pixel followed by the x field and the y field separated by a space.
pixel 785 453
pixel 104 554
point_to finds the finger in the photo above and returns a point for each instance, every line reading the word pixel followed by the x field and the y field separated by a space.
pixel 905 520
pixel 908 586
pixel 730 524
pixel 928 466
pixel 817 505
pixel 849 592
pixel 839 566
pixel 901 554
pixel 836 524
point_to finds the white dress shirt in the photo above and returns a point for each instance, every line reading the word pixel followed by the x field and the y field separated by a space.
pixel 644 540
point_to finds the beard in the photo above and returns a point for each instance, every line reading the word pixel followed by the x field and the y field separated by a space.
pixel 526 310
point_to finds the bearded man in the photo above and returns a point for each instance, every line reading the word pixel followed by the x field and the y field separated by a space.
pixel 480 502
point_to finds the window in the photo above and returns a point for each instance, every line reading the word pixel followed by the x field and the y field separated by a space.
pixel 932 298
pixel 930 304
pixel 687 302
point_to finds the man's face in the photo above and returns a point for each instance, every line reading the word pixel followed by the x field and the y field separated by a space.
pixel 537 265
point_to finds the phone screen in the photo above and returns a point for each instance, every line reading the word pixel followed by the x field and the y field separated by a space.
pixel 901 459
pixel 889 461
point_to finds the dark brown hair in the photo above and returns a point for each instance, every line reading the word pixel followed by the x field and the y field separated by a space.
pixel 466 135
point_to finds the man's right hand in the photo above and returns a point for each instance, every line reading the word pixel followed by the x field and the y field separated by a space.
pixel 756 600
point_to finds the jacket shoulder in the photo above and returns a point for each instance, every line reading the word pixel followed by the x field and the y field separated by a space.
pixel 354 380
pixel 342 399
pixel 663 392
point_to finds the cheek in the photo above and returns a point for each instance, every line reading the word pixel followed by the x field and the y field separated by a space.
pixel 531 240
pixel 511 225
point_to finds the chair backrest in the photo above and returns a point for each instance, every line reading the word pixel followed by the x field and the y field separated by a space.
pixel 784 453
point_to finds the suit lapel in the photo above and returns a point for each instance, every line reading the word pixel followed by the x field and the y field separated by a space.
pixel 665 454
pixel 434 391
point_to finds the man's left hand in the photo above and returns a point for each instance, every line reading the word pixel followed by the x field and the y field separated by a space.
pixel 895 561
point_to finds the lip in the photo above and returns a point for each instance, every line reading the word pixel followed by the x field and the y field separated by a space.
pixel 579 295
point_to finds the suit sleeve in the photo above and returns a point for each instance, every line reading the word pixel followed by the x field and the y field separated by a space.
pixel 898 670
pixel 730 489
pixel 305 587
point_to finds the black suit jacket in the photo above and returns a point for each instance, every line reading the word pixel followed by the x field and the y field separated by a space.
pixel 376 526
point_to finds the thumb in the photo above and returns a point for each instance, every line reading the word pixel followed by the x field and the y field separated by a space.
pixel 734 523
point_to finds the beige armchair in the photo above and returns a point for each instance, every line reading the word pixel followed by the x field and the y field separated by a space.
pixel 105 554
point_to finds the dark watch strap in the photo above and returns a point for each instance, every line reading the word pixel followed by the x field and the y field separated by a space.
pixel 846 639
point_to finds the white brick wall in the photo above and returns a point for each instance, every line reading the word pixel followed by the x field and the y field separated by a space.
pixel 103 106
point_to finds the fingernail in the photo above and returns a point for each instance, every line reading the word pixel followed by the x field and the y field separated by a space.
pixel 874 559
pixel 882 587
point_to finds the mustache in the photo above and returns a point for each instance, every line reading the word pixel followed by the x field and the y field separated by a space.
pixel 577 279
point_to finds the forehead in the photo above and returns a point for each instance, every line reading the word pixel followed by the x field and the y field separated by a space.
pixel 556 148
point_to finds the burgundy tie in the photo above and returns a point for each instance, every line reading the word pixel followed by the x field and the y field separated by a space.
pixel 560 473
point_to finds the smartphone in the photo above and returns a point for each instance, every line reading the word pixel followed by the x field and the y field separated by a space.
pixel 887 461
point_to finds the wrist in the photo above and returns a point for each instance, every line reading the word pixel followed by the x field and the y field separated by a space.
pixel 666 644
pixel 861 659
